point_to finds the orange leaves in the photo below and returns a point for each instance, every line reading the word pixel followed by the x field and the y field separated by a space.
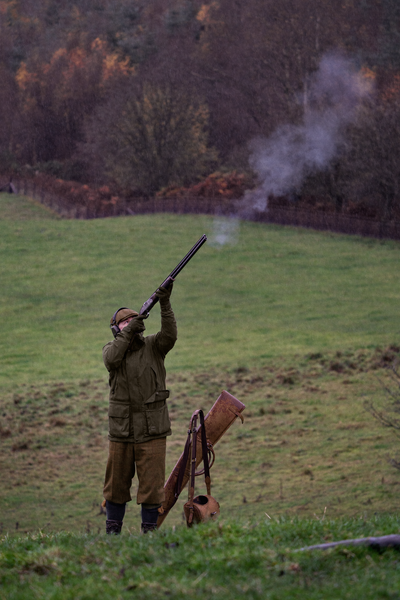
pixel 204 14
pixel 101 202
pixel 113 67
pixel 368 73
pixel 218 185
pixel 73 73
pixel 28 83
pixel 104 190
pixel 391 92
pixel 10 7
pixel 57 95
pixel 25 78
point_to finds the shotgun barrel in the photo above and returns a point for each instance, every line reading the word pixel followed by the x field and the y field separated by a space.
pixel 152 301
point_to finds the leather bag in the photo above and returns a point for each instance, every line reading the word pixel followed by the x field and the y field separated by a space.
pixel 204 508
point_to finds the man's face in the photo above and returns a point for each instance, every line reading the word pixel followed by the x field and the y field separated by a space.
pixel 124 323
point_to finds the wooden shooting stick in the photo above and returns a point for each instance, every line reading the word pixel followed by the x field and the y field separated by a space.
pixel 385 541
pixel 217 421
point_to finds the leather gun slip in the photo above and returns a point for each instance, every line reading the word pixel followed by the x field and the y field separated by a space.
pixel 223 413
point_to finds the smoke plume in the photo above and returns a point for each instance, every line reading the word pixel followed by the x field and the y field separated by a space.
pixel 292 152
pixel 225 232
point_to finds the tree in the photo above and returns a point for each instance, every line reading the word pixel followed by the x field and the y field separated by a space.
pixel 388 414
pixel 154 137
pixel 253 60
pixel 8 119
pixel 372 169
pixel 388 38
pixel 56 96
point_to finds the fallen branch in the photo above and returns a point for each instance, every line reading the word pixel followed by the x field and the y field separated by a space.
pixel 385 541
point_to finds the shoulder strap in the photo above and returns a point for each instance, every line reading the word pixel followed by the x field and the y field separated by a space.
pixel 182 469
pixel 205 453
pixel 193 466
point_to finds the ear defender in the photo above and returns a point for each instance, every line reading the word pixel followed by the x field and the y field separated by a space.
pixel 113 325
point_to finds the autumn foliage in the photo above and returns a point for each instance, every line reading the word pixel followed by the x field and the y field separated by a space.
pixel 79 199
pixel 56 96
pixel 110 199
pixel 165 98
pixel 217 185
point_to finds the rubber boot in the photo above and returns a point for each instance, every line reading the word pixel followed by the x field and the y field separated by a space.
pixel 149 518
pixel 115 517
pixel 113 526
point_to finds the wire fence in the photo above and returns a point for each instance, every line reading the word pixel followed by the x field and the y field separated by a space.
pixel 81 207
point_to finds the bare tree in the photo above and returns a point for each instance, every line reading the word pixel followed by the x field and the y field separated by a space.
pixel 389 414
pixel 253 60
pixel 157 136
pixel 371 170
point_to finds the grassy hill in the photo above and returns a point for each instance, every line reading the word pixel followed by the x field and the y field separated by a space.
pixel 299 325
pixel 269 291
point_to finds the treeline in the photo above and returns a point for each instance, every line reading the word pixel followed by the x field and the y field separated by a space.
pixel 156 95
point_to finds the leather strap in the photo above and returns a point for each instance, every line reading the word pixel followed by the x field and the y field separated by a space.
pixel 179 479
pixel 193 466
pixel 205 453
pixel 204 448
pixel 190 449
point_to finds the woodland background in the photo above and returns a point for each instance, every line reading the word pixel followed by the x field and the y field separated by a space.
pixel 163 98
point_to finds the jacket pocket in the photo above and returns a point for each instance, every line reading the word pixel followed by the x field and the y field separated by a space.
pixel 159 397
pixel 157 419
pixel 118 420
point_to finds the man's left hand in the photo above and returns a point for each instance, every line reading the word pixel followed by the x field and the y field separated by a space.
pixel 164 294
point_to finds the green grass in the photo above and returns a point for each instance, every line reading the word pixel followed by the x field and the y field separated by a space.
pixel 307 445
pixel 253 560
pixel 275 291
pixel 299 325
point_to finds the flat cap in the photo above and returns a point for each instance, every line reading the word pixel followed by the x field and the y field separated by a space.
pixel 124 313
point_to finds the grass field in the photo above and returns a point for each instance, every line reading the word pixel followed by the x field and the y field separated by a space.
pixel 274 291
pixel 299 325
pixel 256 560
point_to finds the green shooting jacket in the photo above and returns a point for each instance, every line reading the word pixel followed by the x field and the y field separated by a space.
pixel 138 409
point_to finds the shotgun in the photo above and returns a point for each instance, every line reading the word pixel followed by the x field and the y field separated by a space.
pixel 152 301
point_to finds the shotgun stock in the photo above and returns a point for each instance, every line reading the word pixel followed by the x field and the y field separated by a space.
pixel 223 413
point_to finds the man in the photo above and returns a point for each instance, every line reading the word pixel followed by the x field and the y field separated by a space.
pixel 138 413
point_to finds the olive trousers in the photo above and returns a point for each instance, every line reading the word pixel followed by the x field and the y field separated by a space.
pixel 147 460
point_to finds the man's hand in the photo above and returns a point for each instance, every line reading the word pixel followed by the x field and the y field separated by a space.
pixel 136 325
pixel 163 294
